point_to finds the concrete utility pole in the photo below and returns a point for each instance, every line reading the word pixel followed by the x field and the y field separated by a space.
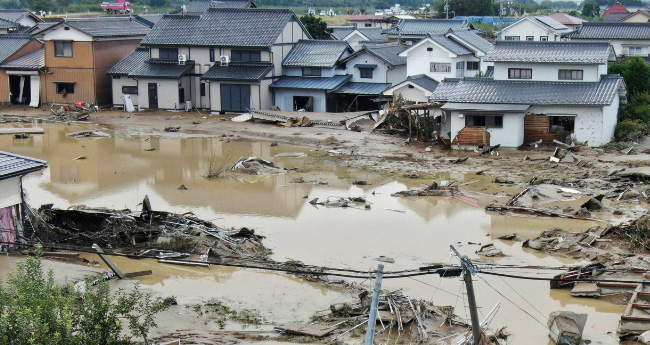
pixel 471 298
pixel 372 318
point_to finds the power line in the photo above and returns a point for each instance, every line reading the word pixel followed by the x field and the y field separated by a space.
pixel 567 279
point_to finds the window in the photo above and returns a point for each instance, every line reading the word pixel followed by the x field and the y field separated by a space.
pixel 202 89
pixel 520 73
pixel 473 65
pixel 246 55
pixel 64 88
pixel 63 48
pixel 365 73
pixel 440 67
pixel 634 51
pixel 130 90
pixel 530 38
pixel 490 121
pixel 212 57
pixel 311 72
pixel 570 74
pixel 543 38
pixel 512 38
pixel 168 53
pixel 368 25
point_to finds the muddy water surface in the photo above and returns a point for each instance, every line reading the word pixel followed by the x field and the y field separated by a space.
pixel 119 172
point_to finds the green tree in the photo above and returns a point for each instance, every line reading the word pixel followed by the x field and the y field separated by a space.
pixel 637 76
pixel 34 309
pixel 317 27
pixel 362 10
pixel 588 10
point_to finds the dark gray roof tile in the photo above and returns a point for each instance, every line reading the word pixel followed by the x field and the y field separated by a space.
pixel 356 88
pixel 314 83
pixel 33 60
pixel 108 26
pixel 450 44
pixel 315 53
pixel 488 90
pixel 423 81
pixel 130 63
pixel 550 52
pixel 9 45
pixel 12 165
pixel 15 15
pixel 161 69
pixel 428 26
pixel 472 39
pixel 221 27
pixel 387 52
pixel 604 30
pixel 238 71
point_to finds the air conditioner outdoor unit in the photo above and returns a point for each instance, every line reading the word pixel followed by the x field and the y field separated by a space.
pixel 182 59
pixel 225 59
pixel 188 106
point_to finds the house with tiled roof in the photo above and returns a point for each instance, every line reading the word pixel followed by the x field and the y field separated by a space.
pixel 540 91
pixel 534 28
pixel 356 37
pixel 639 16
pixel 415 88
pixel 223 60
pixel 201 6
pixel 616 13
pixel 567 20
pixel 20 82
pixel 368 21
pixel 628 39
pixel 456 53
pixel 17 20
pixel 410 31
pixel 79 52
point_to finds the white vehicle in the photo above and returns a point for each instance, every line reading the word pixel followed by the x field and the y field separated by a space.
pixel 379 12
pixel 323 13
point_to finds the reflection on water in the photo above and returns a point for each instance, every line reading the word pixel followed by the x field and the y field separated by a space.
pixel 119 172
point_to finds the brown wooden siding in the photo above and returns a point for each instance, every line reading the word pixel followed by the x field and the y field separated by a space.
pixel 82 56
pixel 108 53
pixel 472 136
pixel 538 127
pixel 84 89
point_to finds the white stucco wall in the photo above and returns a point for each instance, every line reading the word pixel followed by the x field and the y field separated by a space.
pixel 61 33
pixel 510 135
pixel 297 72
pixel 418 61
pixel 548 72
pixel 167 93
pixel 525 28
pixel 284 98
pixel 412 94
pixel 593 124
pixel 379 74
pixel 117 90
pixel 9 192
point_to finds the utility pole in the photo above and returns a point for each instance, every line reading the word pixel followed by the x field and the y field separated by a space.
pixel 447 8
pixel 372 318
pixel 471 298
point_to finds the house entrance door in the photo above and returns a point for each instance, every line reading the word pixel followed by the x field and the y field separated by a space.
pixel 153 96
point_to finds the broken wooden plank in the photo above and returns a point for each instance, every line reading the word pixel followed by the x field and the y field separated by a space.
pixel 514 199
pixel 109 262
pixel 183 262
pixel 138 274
pixel 20 130
pixel 317 331
pixel 539 212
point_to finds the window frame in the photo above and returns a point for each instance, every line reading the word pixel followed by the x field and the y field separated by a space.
pixel 202 90
pixel 433 69
pixel 311 72
pixel 167 53
pixel 543 38
pixel 512 38
pixel 530 38
pixel 213 56
pixel 573 74
pixel 513 71
pixel 69 90
pixel 472 63
pixel 241 55
pixel 128 90
pixel 496 120
pixel 366 72
pixel 56 49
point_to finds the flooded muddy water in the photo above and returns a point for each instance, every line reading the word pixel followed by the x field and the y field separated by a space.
pixel 118 172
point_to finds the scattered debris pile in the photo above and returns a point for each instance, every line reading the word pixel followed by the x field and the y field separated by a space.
pixel 255 166
pixel 638 231
pixel 352 202
pixel 72 113
pixel 158 231
pixel 566 327
pixel 579 245
pixel 444 189
pixel 88 134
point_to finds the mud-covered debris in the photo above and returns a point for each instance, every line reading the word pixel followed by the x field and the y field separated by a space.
pixel 330 141
pixel 385 259
pixel 344 202
pixel 88 134
pixel 490 250
pixel 255 166
pixel 512 237
pixel 423 192
pixel 291 155
pixel 503 180
pixel 361 183
pixel 172 129
pixel 182 187
pixel 22 136
pixel 593 204
pixel 298 180
pixel 566 327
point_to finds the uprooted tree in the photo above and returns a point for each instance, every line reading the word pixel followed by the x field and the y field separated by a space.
pixel 34 309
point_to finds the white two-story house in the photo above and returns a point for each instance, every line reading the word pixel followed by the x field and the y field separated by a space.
pixel 223 60
pixel 455 54
pixel 540 91
pixel 534 28
pixel 628 39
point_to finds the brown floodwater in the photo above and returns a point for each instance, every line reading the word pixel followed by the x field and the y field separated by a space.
pixel 118 172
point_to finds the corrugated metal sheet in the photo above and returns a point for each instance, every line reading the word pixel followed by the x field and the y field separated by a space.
pixel 487 90
pixel 362 88
pixel 12 165
pixel 250 72
pixel 556 52
pixel 315 53
pixel 517 108
pixel 315 83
